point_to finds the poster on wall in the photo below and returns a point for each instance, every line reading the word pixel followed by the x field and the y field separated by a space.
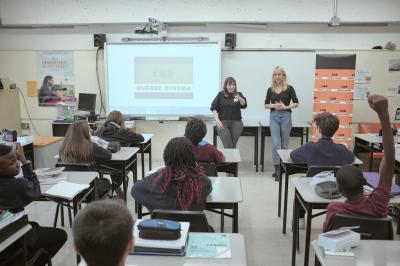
pixel 55 78
pixel 334 92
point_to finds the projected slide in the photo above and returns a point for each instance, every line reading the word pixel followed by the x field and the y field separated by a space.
pixel 162 79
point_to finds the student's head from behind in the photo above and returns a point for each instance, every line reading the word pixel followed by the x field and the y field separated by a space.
pixel 195 130
pixel 350 181
pixel 115 117
pixel 9 165
pixel 229 86
pixel 102 233
pixel 77 147
pixel 178 154
pixel 327 124
pixel 48 80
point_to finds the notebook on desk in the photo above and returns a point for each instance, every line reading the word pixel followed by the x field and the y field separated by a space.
pixel 372 179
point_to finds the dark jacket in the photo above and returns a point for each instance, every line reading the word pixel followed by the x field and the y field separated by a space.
pixel 100 155
pixel 150 196
pixel 227 107
pixel 16 193
pixel 322 152
pixel 112 132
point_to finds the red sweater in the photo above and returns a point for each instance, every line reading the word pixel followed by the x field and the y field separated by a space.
pixel 208 154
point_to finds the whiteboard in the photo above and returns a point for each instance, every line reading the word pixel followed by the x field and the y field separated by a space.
pixel 252 70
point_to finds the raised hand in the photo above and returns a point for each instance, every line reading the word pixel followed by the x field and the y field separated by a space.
pixel 378 103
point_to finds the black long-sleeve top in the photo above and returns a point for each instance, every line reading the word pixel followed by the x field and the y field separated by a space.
pixel 112 132
pixel 16 193
pixel 285 96
pixel 227 108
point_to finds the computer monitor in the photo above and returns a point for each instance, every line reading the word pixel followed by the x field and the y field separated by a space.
pixel 397 114
pixel 87 102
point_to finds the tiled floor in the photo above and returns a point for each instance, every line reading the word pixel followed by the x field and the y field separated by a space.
pixel 258 222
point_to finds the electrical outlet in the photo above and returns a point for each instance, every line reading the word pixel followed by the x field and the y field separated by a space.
pixel 25 125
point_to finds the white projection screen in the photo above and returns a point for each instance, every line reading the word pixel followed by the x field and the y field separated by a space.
pixel 162 79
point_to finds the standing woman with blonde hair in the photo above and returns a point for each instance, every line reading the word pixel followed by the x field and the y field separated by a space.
pixel 281 99
pixel 226 108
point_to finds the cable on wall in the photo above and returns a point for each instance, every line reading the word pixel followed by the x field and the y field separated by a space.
pixel 102 107
pixel 27 112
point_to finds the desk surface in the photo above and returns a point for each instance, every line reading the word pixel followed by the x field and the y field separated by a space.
pixel 238 251
pixel 14 237
pixel 225 189
pixel 83 178
pixel 369 252
pixel 41 141
pixel 146 137
pixel 125 153
pixel 285 157
pixel 374 138
pixel 306 190
pixel 231 155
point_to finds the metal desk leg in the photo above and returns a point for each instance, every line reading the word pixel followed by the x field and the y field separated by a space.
pixel 124 184
pixel 262 150
pixel 235 220
pixel 285 202
pixel 215 136
pixel 256 150
pixel 150 155
pixel 139 212
pixel 308 235
pixel 142 156
pixel 295 229
pixel 280 189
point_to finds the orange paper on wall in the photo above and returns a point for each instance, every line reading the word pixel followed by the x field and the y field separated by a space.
pixel 334 84
pixel 340 96
pixel 348 73
pixel 333 108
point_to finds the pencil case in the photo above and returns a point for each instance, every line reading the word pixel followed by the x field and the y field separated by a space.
pixel 158 229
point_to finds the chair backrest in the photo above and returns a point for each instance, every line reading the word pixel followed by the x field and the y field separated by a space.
pixel 209 169
pixel 77 167
pixel 316 169
pixel 197 219
pixel 369 128
pixel 370 228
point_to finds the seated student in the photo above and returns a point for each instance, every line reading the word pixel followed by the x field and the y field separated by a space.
pixel 78 148
pixel 102 233
pixel 350 179
pixel 15 194
pixel 204 152
pixel 180 185
pixel 324 151
pixel 114 130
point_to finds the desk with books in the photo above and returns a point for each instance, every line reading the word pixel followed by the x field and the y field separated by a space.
pixel 67 197
pixel 289 167
pixel 306 198
pixel 238 256
pixel 369 252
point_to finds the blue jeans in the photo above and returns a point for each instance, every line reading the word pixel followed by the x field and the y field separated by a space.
pixel 280 124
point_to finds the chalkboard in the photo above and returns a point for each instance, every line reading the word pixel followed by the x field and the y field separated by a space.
pixel 252 70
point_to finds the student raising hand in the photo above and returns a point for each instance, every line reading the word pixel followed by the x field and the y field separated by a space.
pixel 378 103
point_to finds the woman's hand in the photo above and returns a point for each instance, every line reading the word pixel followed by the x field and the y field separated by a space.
pixel 240 99
pixel 280 106
pixel 219 124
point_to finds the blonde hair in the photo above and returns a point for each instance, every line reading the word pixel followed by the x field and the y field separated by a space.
pixel 77 147
pixel 274 85
pixel 116 117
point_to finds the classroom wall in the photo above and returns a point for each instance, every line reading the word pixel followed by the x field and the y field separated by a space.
pixel 18 46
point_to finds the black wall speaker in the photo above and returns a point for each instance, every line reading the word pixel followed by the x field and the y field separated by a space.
pixel 99 40
pixel 230 40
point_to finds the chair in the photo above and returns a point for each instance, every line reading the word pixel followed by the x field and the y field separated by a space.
pixel 197 219
pixel 209 169
pixel 370 228
pixel 316 169
pixel 364 128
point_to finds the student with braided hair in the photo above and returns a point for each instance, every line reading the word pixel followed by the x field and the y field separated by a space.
pixel 180 185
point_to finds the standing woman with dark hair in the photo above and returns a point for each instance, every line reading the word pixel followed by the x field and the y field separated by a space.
pixel 114 129
pixel 180 185
pixel 226 108
pixel 281 99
